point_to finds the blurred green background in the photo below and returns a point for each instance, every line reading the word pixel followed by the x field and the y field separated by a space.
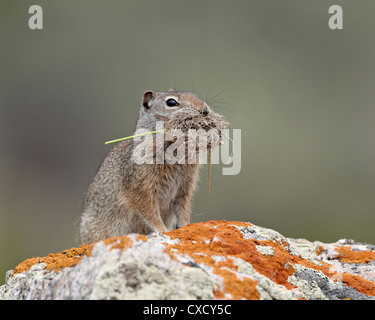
pixel 302 94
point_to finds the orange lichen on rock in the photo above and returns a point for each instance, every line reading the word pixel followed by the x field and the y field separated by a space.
pixel 70 257
pixel 120 242
pixel 56 261
pixel 142 237
pixel 319 250
pixel 359 283
pixel 347 255
pixel 239 288
pixel 203 241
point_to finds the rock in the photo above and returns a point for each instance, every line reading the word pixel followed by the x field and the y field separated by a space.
pixel 207 260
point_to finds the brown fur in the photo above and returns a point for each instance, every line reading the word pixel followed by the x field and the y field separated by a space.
pixel 125 197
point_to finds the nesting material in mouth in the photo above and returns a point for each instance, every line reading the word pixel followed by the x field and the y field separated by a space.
pixel 187 118
pixel 210 125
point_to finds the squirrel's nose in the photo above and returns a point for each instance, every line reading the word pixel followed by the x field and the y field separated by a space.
pixel 205 111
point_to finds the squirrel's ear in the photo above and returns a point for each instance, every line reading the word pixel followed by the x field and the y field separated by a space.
pixel 148 96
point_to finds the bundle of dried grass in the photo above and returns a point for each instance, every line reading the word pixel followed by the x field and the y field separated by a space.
pixel 210 125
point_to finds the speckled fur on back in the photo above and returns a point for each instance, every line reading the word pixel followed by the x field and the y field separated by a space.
pixel 126 197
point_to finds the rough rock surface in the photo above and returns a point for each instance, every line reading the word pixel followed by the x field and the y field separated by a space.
pixel 207 260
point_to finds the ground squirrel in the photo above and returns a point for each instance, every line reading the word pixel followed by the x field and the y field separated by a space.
pixel 128 197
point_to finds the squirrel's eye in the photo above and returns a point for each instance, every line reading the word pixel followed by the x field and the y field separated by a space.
pixel 172 103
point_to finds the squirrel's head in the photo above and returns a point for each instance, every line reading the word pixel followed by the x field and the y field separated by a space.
pixel 181 111
pixel 166 103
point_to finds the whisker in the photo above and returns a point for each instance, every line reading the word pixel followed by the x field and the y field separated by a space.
pixel 210 89
pixel 218 94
